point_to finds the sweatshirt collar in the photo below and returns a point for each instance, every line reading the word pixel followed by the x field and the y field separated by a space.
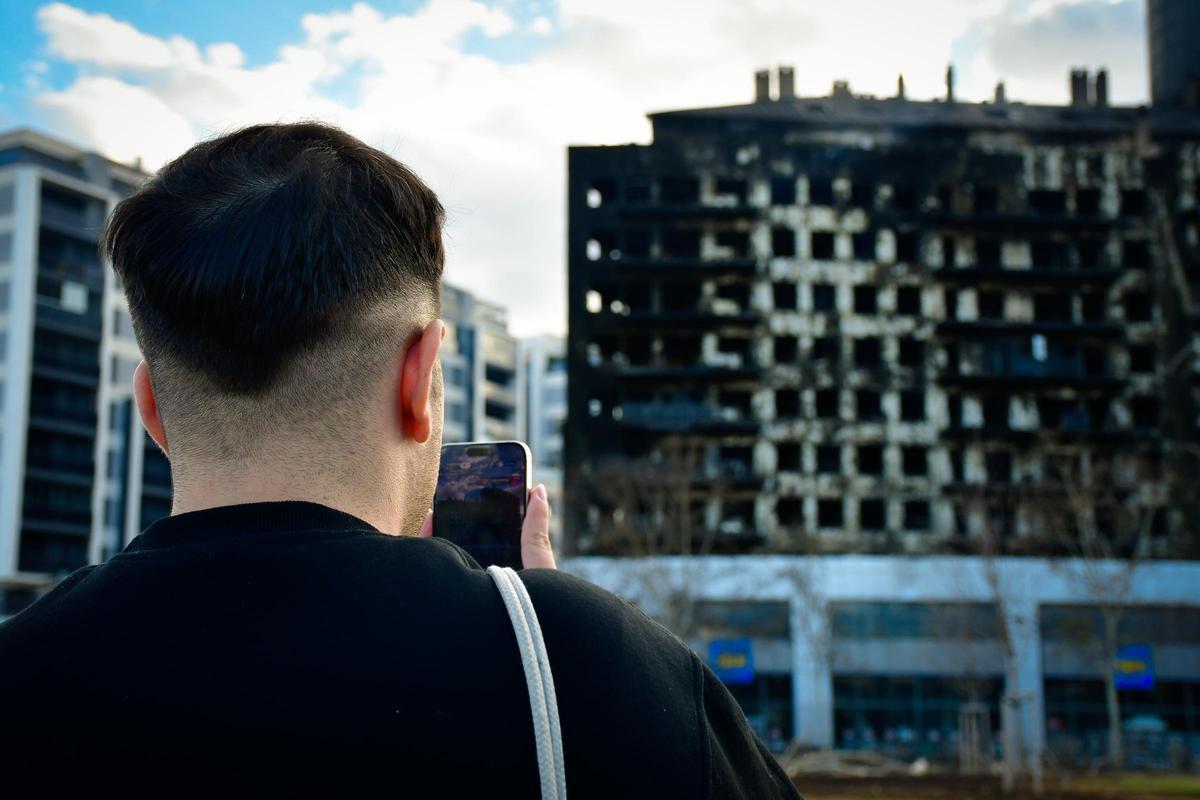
pixel 254 519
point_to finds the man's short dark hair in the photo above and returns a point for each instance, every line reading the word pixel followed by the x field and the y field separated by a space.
pixel 265 267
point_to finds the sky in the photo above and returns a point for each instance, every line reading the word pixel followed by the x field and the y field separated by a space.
pixel 482 97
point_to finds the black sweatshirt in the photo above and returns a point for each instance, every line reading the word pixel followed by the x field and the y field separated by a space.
pixel 289 648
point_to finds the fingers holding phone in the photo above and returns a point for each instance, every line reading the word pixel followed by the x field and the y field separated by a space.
pixel 536 549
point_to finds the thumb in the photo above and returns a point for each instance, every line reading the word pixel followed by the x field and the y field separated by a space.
pixel 427 525
pixel 535 532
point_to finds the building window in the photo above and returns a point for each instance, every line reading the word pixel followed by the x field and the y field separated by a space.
pixel 785 296
pixel 916 515
pixel 991 305
pixel 789 511
pixel 1141 358
pixel 820 191
pixel 787 404
pixel 826 348
pixel 1133 203
pixel 871 514
pixel 986 199
pixel 912 406
pixel 783 191
pixel 783 241
pixel 1087 201
pixel 907 248
pixel 824 297
pixel 867 352
pixel 787 456
pixel 827 403
pixel 864 246
pixel 865 300
pixel 1138 307
pixel 870 459
pixel 908 301
pixel 862 194
pixel 999 466
pixel 868 404
pixel 822 245
pixel 829 513
pixel 829 459
pixel 680 190
pixel 915 461
pixel 785 349
pixel 912 353
pixel 1145 411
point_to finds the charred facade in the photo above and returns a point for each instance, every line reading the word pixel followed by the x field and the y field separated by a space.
pixel 859 324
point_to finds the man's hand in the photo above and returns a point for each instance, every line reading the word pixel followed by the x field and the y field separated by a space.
pixel 536 551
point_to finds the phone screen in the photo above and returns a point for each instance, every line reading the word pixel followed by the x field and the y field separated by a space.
pixel 480 500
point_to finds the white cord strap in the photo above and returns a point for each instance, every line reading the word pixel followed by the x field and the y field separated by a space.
pixel 543 703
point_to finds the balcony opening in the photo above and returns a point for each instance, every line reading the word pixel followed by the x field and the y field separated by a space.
pixel 739 402
pixel 1090 253
pixel 1133 203
pixel 681 352
pixel 954 407
pixel 1095 307
pixel 862 194
pixel 680 297
pixel 734 188
pixel 735 461
pixel 637 190
pixel 820 191
pixel 871 516
pixel 1095 362
pixel 907 248
pixel 949 251
pixel 1087 201
pixel 995 412
pixel 999 466
pixel 1047 201
pixel 1145 410
pixel 1049 255
pixel 1052 307
pixel 986 199
pixel 991 304
pixel 637 242
pixel 681 243
pixel 1138 307
pixel 1141 358
pixel 904 197
pixel 987 253
pixel 783 242
pixel 736 242
pixel 740 347
pixel 1135 253
pixel 736 293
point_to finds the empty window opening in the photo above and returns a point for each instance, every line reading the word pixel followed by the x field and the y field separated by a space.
pixel 739 401
pixel 786 349
pixel 1135 253
pixel 789 511
pixel 995 412
pixel 1145 411
pixel 908 301
pixel 820 191
pixel 822 245
pixel 784 296
pixel 1052 307
pixel 827 403
pixel 829 513
pixel 1049 254
pixel 865 300
pixel 1138 307
pixel 824 297
pixel 738 293
pixel 681 243
pixel 915 461
pixel 681 352
pixel 986 199
pixel 787 456
pixel 680 296
pixel 871 516
pixel 1087 201
pixel 637 242
pixel 907 247
pixel 1094 307
pixel 829 459
pixel 1048 201
pixel 637 190
pixel 1141 358
pixel 787 403
pixel 736 460
pixel 991 304
pixel 867 401
pixel 1091 253
pixel 987 253
pixel 916 515
pixel 999 466
pixel 912 353
pixel 826 348
pixel 732 187
pixel 870 459
pixel 783 242
pixel 912 406
pixel 680 190
pixel 864 246
pixel 783 191
pixel 949 251
pixel 1133 203
pixel 862 194
pixel 904 197
pixel 737 242
pixel 867 352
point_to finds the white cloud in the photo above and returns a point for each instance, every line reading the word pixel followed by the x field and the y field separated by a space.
pixel 489 136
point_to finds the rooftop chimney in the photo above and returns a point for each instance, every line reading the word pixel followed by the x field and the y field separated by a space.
pixel 762 86
pixel 1079 87
pixel 900 86
pixel 950 83
pixel 787 83
pixel 1100 93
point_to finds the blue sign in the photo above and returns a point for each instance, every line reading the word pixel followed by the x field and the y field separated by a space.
pixel 732 660
pixel 1134 668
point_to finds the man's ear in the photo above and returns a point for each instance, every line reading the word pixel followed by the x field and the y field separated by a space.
pixel 416 382
pixel 147 403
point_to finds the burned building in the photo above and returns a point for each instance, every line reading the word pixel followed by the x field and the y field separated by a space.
pixel 862 324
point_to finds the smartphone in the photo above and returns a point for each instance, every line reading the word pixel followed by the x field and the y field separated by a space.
pixel 480 500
